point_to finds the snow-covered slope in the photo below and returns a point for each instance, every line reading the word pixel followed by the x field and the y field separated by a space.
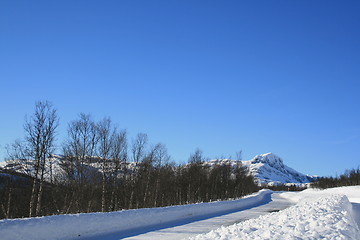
pixel 270 169
pixel 267 169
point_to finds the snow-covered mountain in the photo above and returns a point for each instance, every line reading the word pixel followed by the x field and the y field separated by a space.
pixel 268 169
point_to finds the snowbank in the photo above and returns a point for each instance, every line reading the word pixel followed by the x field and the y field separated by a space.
pixel 73 226
pixel 327 217
pixel 352 193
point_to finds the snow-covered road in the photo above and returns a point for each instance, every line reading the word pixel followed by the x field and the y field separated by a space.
pixel 192 227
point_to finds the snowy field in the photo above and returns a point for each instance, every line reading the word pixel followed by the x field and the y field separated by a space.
pixel 314 214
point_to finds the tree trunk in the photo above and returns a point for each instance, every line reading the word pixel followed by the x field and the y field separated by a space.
pixel 40 193
pixel 103 193
pixel 9 204
pixel 33 197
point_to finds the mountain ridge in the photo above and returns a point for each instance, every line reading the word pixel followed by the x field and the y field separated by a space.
pixel 269 169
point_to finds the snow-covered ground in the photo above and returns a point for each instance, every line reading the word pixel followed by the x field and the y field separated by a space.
pixel 179 232
pixel 318 215
pixel 315 214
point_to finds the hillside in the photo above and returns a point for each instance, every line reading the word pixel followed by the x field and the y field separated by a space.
pixel 268 169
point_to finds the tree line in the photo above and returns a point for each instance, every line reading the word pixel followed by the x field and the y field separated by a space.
pixel 348 178
pixel 99 169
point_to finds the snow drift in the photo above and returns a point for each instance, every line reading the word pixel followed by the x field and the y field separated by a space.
pixel 325 218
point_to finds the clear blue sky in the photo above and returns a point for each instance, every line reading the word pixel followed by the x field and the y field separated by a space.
pixel 262 76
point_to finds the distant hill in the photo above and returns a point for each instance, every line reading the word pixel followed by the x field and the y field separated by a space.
pixel 269 169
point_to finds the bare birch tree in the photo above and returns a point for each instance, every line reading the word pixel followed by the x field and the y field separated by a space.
pixel 119 159
pixel 138 150
pixel 105 145
pixel 78 151
pixel 40 139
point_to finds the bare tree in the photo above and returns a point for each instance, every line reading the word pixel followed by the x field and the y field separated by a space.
pixel 81 144
pixel 40 139
pixel 78 151
pixel 18 157
pixel 119 159
pixel 138 147
pixel 105 145
pixel 138 152
pixel 197 157
pixel 238 155
pixel 161 159
pixel 147 171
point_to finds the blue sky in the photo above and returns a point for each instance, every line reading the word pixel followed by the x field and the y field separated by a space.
pixel 223 76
